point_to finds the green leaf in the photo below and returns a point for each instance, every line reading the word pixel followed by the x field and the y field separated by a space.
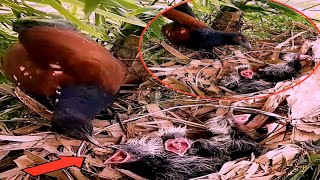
pixel 140 11
pixel 127 4
pixel 115 17
pixel 90 6
pixel 315 158
pixel 70 17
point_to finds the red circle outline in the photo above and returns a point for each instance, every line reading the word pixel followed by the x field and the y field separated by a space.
pixel 216 98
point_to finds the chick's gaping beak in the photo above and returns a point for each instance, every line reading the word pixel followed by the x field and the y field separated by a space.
pixel 247 73
pixel 118 158
pixel 178 146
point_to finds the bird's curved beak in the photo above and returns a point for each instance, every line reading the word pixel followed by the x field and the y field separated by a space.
pixel 246 45
pixel 92 140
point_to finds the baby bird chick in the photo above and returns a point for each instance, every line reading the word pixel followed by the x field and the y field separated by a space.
pixel 285 70
pixel 147 158
pixel 227 142
pixel 244 81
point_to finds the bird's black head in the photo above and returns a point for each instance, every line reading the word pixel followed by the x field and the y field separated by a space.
pixel 22 24
pixel 71 122
pixel 241 40
pixel 207 38
pixel 76 107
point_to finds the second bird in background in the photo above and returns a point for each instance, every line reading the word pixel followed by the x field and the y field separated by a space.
pixel 188 31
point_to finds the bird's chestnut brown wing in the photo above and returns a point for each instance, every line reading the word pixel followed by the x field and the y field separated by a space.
pixel 81 58
pixel 184 19
pixel 176 33
pixel 30 76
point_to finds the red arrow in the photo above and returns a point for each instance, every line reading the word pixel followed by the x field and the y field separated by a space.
pixel 62 162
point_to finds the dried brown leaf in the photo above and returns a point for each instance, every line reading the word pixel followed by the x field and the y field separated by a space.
pixel 10 173
pixel 21 138
pixel 40 160
pixel 23 162
pixel 3 154
pixel 33 104
pixel 6 89
pixel 155 108
pixel 77 173
pixel 277 49
pixel 173 51
pixel 110 173
pixel 270 106
pixel 301 135
pixel 26 129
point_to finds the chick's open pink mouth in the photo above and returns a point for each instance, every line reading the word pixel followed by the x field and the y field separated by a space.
pixel 179 146
pixel 119 157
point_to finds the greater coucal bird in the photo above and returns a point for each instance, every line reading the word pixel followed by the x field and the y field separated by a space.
pixel 52 59
pixel 190 32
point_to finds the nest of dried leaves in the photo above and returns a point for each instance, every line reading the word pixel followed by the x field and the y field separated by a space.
pixel 197 72
pixel 145 106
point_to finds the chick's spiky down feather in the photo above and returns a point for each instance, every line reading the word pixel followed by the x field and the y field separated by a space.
pixel 264 78
pixel 161 164
pixel 226 143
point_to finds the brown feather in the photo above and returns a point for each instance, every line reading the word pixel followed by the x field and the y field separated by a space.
pixel 184 19
pixel 87 62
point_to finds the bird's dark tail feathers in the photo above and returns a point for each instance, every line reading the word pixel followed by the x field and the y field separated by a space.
pixel 22 24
